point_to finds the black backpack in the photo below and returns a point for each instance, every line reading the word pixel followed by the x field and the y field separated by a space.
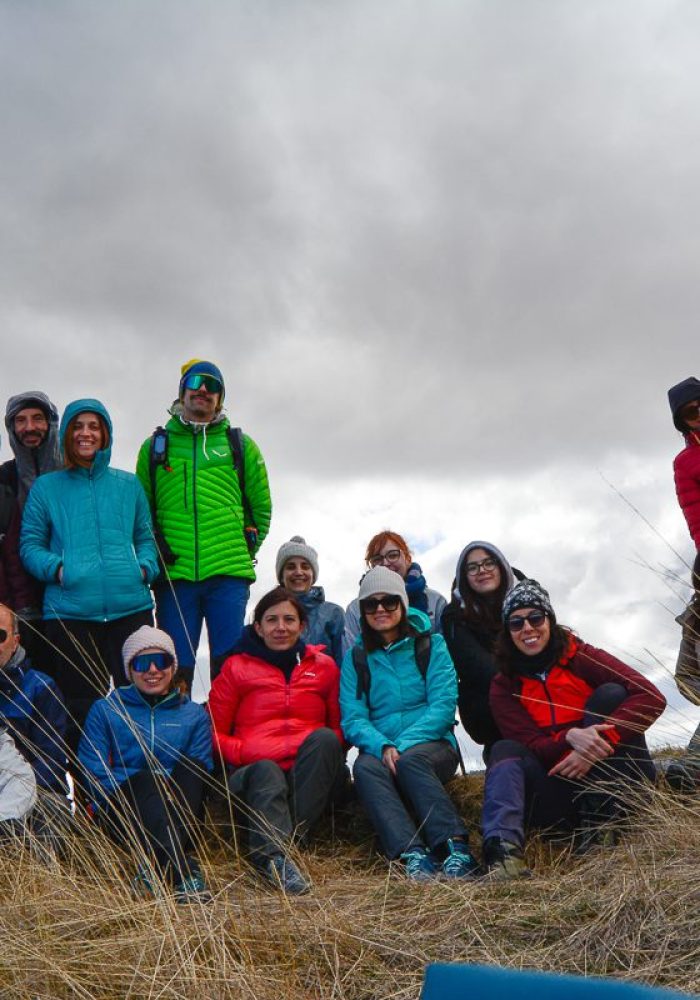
pixel 158 455
pixel 423 649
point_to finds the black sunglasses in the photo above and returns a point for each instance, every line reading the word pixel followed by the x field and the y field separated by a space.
pixel 389 602
pixel 517 622
pixel 3 635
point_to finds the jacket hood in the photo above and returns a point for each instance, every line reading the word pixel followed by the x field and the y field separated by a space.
pixel 492 550
pixel 419 620
pixel 103 456
pixel 312 597
pixel 680 394
pixel 32 462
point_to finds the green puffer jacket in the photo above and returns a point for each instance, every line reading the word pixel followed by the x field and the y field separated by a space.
pixel 198 499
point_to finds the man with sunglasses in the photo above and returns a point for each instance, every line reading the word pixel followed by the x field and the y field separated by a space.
pixel 207 486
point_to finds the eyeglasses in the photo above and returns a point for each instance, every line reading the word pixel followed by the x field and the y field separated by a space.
pixel 142 662
pixel 210 383
pixel 392 556
pixel 517 622
pixel 474 568
pixel 691 411
pixel 389 602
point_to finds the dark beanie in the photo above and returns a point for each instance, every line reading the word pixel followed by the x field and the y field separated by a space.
pixel 678 395
pixel 195 366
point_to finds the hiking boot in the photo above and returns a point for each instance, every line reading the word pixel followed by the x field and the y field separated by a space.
pixel 599 822
pixel 281 872
pixel 504 860
pixel 192 889
pixel 144 884
pixel 590 837
pixel 418 865
pixel 460 862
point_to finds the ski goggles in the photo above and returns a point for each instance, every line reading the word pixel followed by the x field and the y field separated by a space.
pixel 517 622
pixel 210 383
pixel 142 662
pixel 389 602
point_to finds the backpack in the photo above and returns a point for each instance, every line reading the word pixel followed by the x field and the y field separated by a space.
pixel 158 455
pixel 423 649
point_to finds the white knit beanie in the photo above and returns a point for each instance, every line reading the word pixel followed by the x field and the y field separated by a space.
pixel 147 637
pixel 381 580
pixel 296 547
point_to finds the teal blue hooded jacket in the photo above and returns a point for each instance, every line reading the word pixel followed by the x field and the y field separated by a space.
pixel 403 709
pixel 95 525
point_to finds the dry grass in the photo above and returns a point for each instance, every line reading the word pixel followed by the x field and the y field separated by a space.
pixel 74 930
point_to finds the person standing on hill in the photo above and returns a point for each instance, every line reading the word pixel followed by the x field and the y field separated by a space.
pixel 297 570
pixel 31 420
pixel 684 400
pixel 207 486
pixel 391 550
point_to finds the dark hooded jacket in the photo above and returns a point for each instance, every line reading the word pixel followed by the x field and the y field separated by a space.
pixel 21 471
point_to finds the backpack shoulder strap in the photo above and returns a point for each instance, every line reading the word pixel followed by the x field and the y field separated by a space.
pixel 237 445
pixel 423 650
pixel 359 662
pixel 157 455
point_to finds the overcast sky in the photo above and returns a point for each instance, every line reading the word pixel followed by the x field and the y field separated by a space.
pixel 447 257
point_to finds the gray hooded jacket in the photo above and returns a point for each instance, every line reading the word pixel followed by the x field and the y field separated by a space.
pixel 19 473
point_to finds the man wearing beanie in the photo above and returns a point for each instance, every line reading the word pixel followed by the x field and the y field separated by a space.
pixel 207 486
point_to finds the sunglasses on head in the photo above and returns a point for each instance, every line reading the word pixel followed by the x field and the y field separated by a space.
pixel 142 662
pixel 210 383
pixel 389 602
pixel 517 622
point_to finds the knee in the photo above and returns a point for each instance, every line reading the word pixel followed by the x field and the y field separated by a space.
pixel 323 740
pixel 606 698
pixel 367 768
pixel 264 774
pixel 506 750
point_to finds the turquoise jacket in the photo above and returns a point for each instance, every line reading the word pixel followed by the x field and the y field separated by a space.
pixel 403 709
pixel 94 524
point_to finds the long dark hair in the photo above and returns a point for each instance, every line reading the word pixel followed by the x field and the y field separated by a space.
pixel 278 596
pixel 372 639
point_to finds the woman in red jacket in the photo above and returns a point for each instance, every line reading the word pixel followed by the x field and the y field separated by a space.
pixel 572 719
pixel 684 400
pixel 276 720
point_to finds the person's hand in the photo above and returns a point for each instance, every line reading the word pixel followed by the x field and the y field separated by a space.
pixel 574 765
pixel 389 757
pixel 589 743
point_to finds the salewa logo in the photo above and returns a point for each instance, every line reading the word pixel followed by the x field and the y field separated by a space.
pixel 219 454
pixel 308 673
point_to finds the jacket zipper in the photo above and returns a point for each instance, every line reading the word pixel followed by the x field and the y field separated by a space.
pixel 93 498
pixel 551 704
pixel 194 506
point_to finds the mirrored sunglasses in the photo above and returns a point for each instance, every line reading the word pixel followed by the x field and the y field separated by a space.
pixel 210 383
pixel 142 662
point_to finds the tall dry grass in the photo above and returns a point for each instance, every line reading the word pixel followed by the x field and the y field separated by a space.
pixel 73 929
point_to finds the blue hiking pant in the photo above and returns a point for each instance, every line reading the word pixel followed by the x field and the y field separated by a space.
pixel 414 808
pixel 519 794
pixel 183 605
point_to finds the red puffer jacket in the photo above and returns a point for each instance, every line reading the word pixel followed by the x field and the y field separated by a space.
pixel 686 472
pixel 258 715
pixel 539 713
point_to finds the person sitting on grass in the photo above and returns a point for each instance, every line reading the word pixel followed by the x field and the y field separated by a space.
pixel 297 571
pixel 145 754
pixel 398 695
pixel 277 727
pixel 573 719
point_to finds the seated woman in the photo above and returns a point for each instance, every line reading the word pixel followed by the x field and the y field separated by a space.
pixel 297 571
pixel 145 754
pixel 471 623
pixel 572 719
pixel 390 549
pixel 276 720
pixel 398 694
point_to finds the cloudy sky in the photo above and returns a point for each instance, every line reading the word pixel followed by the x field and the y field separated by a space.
pixel 447 256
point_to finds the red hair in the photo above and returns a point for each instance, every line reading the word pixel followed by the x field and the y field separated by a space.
pixel 376 544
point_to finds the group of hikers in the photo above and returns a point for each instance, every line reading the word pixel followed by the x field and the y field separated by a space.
pixel 90 687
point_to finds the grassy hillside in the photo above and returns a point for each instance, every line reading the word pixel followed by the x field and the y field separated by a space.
pixel 74 930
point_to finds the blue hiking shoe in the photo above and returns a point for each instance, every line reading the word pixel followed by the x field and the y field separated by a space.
pixel 460 862
pixel 145 884
pixel 281 872
pixel 418 865
pixel 192 889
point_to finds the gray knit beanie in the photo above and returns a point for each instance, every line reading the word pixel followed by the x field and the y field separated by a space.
pixel 381 580
pixel 527 594
pixel 296 547
pixel 147 637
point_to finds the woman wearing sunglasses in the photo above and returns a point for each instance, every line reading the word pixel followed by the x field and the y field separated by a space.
pixel 470 624
pixel 87 535
pixel 145 754
pixel 391 550
pixel 276 720
pixel 684 400
pixel 398 693
pixel 572 719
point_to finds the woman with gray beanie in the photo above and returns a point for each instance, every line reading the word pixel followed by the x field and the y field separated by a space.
pixel 145 753
pixel 398 694
pixel 297 571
